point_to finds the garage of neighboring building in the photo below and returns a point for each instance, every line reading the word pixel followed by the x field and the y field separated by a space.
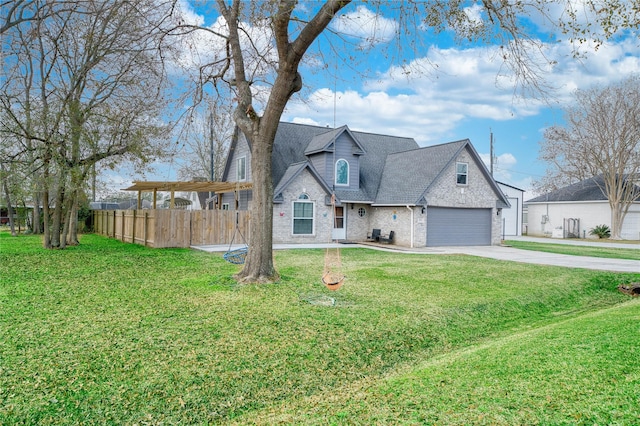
pixel 458 227
pixel 511 218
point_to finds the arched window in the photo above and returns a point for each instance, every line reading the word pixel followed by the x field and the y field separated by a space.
pixel 342 172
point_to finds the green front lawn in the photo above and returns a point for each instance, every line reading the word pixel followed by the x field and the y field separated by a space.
pixel 115 333
pixel 632 253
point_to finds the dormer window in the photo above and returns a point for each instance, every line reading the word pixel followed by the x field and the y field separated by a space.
pixel 342 172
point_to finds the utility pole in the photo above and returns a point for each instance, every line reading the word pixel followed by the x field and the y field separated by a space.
pixel 210 152
pixel 211 145
pixel 491 151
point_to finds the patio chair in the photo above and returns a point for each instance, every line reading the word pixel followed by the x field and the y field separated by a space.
pixel 375 234
pixel 387 240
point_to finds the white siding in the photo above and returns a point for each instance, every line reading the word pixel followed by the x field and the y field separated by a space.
pixel 512 217
pixel 591 214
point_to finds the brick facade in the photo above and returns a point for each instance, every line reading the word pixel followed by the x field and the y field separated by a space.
pixel 403 176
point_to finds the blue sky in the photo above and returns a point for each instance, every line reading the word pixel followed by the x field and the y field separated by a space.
pixel 468 95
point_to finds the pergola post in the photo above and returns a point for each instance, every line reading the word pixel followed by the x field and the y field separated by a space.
pixel 218 188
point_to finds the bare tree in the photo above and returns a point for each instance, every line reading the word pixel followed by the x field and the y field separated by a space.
pixel 85 86
pixel 207 135
pixel 265 42
pixel 601 139
pixel 17 12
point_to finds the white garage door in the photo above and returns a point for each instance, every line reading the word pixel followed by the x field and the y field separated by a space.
pixel 631 226
pixel 458 227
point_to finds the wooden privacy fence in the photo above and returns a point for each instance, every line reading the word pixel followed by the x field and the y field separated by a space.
pixel 172 228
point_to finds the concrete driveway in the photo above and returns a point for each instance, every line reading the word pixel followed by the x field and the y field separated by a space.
pixel 542 258
pixel 498 252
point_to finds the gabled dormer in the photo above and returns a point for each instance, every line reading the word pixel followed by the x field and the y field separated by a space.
pixel 336 155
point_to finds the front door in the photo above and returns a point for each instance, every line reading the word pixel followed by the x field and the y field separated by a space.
pixel 339 231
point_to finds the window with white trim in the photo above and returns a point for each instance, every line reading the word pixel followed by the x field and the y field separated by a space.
pixel 241 169
pixel 462 173
pixel 303 215
pixel 342 172
pixel 225 206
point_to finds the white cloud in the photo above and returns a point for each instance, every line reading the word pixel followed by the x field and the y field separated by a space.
pixel 433 95
pixel 371 28
pixel 505 169
pixel 187 14
pixel 467 84
pixel 207 46
pixel 471 79
pixel 474 14
pixel 378 112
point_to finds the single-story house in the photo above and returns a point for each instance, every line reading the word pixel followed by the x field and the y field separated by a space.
pixel 512 217
pixel 572 211
pixel 22 215
pixel 440 195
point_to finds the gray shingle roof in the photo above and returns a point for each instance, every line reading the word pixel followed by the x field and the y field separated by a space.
pixel 377 148
pixel 293 140
pixel 585 190
pixel 324 141
pixel 292 172
pixel 407 175
pixel 408 170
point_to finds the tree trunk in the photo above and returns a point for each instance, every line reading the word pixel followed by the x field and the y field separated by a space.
pixel 36 227
pixel 617 218
pixel 56 222
pixel 72 220
pixel 46 228
pixel 7 197
pixel 261 131
pixel 258 266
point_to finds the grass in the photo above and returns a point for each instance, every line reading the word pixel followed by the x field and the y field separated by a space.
pixel 114 333
pixel 593 251
pixel 576 371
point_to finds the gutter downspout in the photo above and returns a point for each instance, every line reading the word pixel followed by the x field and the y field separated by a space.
pixel 412 225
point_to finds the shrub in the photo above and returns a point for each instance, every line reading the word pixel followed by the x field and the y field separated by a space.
pixel 602 231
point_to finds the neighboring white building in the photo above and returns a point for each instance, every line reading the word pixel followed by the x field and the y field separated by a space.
pixel 512 224
pixel 572 211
